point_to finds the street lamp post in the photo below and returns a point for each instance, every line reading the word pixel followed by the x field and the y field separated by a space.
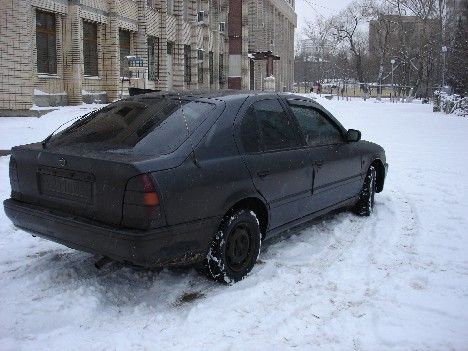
pixel 379 88
pixel 393 88
pixel 320 75
pixel 305 73
pixel 444 53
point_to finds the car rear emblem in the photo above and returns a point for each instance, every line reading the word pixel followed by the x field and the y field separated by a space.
pixel 62 162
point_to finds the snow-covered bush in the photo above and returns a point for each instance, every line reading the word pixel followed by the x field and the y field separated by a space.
pixel 450 104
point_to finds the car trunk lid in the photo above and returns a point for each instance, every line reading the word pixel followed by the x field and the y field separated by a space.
pixel 83 185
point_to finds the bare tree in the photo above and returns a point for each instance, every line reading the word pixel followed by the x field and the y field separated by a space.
pixel 457 73
pixel 383 27
pixel 349 29
pixel 420 51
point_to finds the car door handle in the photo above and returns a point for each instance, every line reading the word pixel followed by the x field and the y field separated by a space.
pixel 319 164
pixel 263 174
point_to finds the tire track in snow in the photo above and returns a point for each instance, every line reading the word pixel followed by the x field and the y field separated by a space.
pixel 354 236
pixel 392 251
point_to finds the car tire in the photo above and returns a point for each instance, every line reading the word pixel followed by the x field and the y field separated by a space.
pixel 235 247
pixel 365 204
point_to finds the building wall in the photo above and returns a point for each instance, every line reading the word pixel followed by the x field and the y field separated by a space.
pixel 21 85
pixel 16 71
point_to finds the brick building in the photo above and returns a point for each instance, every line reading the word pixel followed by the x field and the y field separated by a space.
pixel 58 52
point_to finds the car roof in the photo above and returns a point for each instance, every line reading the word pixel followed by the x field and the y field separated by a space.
pixel 223 95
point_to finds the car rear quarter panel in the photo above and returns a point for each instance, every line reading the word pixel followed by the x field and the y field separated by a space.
pixel 211 178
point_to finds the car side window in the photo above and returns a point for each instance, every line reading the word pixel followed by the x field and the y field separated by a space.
pixel 267 127
pixel 317 129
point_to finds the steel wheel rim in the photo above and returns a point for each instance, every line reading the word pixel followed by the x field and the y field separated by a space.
pixel 239 247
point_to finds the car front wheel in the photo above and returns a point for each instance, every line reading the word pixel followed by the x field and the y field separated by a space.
pixel 365 204
pixel 235 247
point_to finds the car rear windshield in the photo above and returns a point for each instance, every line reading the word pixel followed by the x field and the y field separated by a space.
pixel 155 126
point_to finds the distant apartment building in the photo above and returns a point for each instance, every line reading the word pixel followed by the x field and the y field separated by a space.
pixel 396 31
pixel 58 52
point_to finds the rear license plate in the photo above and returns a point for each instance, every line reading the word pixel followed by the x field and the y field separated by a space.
pixel 65 188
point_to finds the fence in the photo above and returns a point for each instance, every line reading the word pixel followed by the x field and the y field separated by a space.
pixel 364 90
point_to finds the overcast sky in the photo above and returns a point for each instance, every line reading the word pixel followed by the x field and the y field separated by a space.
pixel 312 9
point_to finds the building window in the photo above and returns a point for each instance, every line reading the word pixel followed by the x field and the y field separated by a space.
pixel 201 16
pixel 46 43
pixel 90 56
pixel 211 68
pixel 221 69
pixel 153 58
pixel 188 64
pixel 170 47
pixel 124 44
pixel 200 57
pixel 200 12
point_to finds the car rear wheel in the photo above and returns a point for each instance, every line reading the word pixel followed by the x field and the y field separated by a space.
pixel 365 204
pixel 235 248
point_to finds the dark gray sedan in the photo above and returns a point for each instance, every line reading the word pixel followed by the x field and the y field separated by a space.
pixel 192 178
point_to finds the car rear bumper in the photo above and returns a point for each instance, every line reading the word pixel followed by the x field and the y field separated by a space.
pixel 172 245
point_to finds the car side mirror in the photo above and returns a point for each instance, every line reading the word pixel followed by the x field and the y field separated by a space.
pixel 353 135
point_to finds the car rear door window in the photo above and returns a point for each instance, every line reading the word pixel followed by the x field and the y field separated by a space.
pixel 153 126
pixel 316 127
pixel 267 127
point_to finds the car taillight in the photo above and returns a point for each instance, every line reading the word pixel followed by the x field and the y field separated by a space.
pixel 141 207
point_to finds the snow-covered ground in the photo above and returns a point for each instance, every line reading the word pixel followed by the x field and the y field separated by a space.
pixel 397 280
